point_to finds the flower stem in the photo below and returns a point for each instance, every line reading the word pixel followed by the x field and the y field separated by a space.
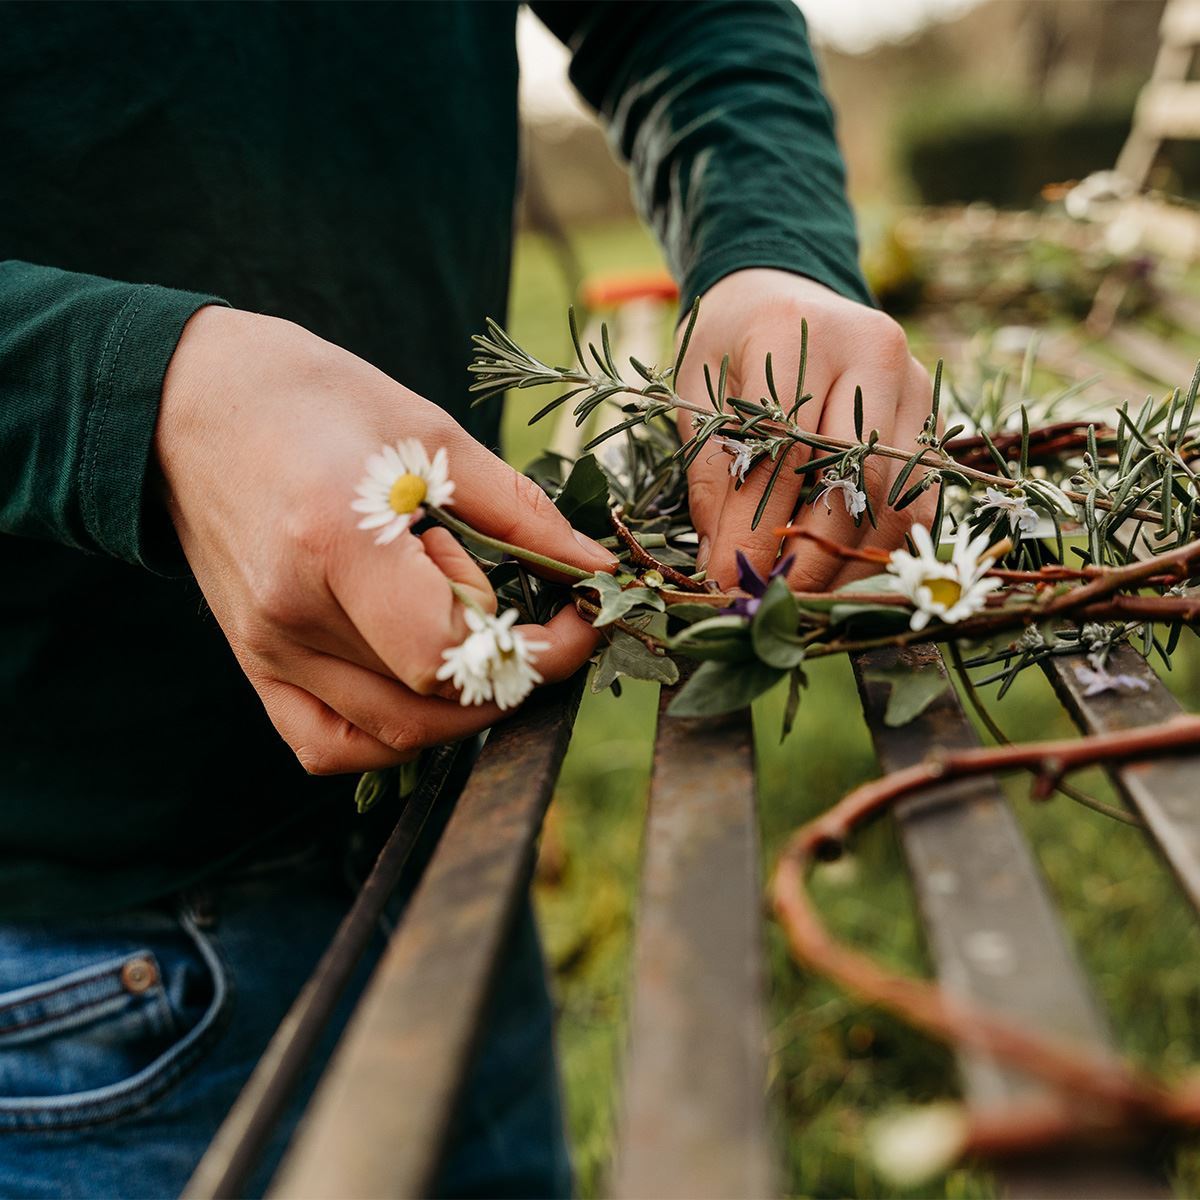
pixel 529 556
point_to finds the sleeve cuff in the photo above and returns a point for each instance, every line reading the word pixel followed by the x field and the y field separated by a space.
pixel 843 278
pixel 120 512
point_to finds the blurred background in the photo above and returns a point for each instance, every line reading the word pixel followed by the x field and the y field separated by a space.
pixel 959 121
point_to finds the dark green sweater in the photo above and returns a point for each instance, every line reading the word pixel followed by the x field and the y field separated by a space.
pixel 351 167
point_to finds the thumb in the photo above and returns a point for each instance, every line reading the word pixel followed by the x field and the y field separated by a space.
pixel 493 498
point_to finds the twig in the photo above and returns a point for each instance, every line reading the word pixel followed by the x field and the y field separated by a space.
pixel 643 558
pixel 586 607
pixel 1125 1091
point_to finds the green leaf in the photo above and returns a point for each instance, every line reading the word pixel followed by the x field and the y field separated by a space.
pixel 912 692
pixel 722 639
pixel 691 613
pixel 372 786
pixel 843 609
pixel 583 499
pixel 773 630
pixel 625 655
pixel 617 604
pixel 797 681
pixel 548 471
pixel 719 687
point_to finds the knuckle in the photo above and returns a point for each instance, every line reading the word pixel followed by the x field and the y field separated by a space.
pixel 706 492
pixel 877 478
pixel 890 342
pixel 309 532
pixel 803 578
pixel 530 498
pixel 279 604
pixel 405 736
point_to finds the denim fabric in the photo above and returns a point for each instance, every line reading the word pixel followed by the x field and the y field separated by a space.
pixel 125 1039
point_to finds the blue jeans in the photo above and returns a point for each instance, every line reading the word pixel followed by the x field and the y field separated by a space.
pixel 125 1039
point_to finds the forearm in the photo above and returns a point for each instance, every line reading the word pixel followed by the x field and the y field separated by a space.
pixel 82 361
pixel 719 111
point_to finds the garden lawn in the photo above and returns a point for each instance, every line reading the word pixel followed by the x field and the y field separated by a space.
pixel 834 1064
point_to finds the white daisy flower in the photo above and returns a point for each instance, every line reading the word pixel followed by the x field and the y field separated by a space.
pixel 399 480
pixel 912 1146
pixel 855 500
pixel 467 666
pixel 1012 505
pixel 494 662
pixel 950 590
pixel 1099 680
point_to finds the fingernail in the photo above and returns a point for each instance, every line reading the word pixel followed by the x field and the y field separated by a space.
pixel 594 548
pixel 704 551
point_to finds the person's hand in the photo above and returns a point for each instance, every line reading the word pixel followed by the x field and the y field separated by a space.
pixel 746 315
pixel 262 436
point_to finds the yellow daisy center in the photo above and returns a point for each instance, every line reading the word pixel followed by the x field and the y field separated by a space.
pixel 407 493
pixel 946 592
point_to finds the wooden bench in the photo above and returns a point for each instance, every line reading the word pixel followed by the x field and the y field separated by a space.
pixel 695 1120
pixel 694 1114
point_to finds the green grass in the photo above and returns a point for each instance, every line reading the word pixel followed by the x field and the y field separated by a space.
pixel 834 1064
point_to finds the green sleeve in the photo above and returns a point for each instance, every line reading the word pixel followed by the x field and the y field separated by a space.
pixel 718 109
pixel 82 361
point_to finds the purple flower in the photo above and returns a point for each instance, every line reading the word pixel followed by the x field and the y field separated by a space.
pixel 750 581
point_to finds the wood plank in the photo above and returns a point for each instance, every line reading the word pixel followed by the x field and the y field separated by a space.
pixel 379 1121
pixel 991 926
pixel 1164 792
pixel 694 1119
pixel 239 1145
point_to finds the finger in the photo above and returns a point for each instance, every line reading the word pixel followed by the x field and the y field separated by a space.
pixel 709 487
pixel 911 411
pixel 816 568
pixel 709 479
pixel 398 722
pixel 322 739
pixel 567 640
pixel 493 498
pixel 448 555
pixel 334 632
pixel 401 604
pixel 728 511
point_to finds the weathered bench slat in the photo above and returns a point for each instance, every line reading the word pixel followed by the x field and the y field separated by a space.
pixel 238 1147
pixel 991 926
pixel 379 1120
pixel 694 1113
pixel 1164 793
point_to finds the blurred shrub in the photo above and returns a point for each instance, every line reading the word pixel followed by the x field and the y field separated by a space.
pixel 957 149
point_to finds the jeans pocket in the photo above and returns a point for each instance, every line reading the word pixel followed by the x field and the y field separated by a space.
pixel 105 1038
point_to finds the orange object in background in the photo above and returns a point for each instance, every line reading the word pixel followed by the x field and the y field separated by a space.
pixel 611 291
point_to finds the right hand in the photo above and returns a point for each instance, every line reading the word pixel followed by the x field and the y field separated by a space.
pixel 263 433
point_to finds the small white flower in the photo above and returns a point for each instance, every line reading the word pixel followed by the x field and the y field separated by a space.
pixel 399 480
pixel 743 455
pixel 494 662
pixel 855 500
pixel 1030 639
pixel 911 1147
pixel 950 590
pixel 1098 679
pixel 1012 505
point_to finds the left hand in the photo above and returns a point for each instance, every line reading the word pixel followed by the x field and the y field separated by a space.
pixel 754 311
